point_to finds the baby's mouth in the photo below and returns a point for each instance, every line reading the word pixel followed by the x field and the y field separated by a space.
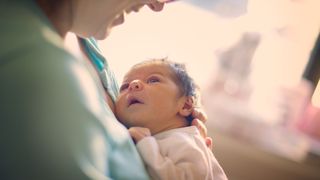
pixel 133 101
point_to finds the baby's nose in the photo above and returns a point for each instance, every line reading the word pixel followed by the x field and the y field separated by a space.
pixel 135 85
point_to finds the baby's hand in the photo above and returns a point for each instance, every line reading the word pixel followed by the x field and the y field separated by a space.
pixel 138 133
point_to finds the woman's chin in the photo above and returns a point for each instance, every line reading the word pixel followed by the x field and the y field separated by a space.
pixel 101 35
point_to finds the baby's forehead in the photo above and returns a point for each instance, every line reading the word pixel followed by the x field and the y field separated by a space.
pixel 148 68
pixel 151 65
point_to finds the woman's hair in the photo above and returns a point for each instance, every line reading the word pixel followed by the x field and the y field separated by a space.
pixel 181 77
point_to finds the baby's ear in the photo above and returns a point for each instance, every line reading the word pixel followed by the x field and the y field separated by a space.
pixel 187 107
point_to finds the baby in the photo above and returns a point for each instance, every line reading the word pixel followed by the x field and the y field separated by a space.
pixel 155 102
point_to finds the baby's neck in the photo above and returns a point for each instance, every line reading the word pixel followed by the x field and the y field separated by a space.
pixel 174 124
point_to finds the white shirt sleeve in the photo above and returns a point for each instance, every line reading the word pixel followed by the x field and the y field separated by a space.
pixel 180 159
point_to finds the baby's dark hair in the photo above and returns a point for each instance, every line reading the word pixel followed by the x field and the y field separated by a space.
pixel 181 77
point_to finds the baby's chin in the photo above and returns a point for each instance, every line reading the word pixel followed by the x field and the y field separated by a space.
pixel 126 123
pixel 131 123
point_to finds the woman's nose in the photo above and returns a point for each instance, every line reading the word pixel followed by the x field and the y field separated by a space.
pixel 135 85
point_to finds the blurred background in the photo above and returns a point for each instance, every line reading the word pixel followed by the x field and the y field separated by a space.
pixel 258 65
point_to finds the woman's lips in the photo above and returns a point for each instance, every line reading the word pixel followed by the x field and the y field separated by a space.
pixel 119 20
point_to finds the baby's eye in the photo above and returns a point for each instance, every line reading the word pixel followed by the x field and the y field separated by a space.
pixel 153 80
pixel 124 86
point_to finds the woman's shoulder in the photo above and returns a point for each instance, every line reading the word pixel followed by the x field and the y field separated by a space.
pixel 28 40
pixel 24 28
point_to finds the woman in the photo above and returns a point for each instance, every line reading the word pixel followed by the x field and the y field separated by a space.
pixel 54 117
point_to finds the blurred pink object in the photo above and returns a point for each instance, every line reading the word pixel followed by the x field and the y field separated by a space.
pixel 310 124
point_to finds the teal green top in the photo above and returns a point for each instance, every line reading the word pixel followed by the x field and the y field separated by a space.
pixel 106 75
pixel 55 123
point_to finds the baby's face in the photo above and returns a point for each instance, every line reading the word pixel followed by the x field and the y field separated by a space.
pixel 149 97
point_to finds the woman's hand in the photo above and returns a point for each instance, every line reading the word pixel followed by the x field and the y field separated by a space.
pixel 138 133
pixel 200 118
pixel 198 113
